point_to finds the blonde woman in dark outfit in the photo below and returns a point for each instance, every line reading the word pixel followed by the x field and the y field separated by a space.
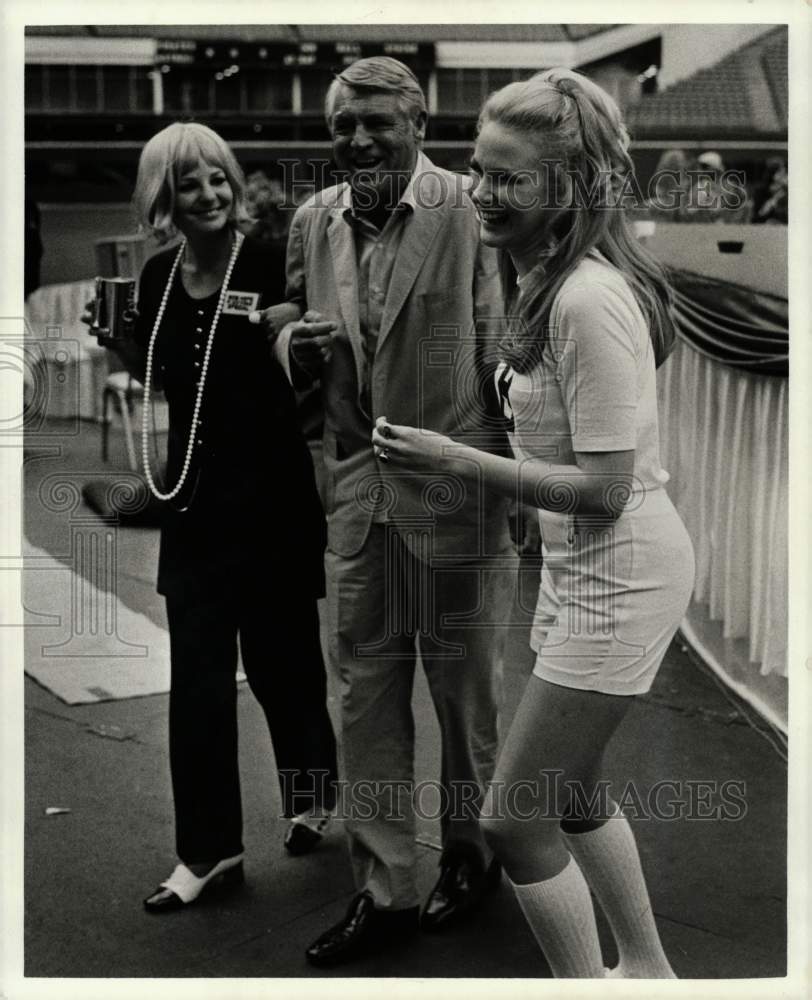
pixel 243 532
pixel 578 384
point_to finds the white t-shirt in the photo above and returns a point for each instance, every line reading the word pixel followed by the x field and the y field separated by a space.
pixel 595 388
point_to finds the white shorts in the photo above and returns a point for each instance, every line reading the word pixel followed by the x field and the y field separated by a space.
pixel 611 598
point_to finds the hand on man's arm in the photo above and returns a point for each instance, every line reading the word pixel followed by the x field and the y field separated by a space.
pixel 275 318
pixel 300 343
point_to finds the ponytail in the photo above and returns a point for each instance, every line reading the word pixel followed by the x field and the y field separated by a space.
pixel 580 125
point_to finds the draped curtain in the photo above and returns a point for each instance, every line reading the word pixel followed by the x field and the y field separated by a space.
pixel 724 435
pixel 732 324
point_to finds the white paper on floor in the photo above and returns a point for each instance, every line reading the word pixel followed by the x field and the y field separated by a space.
pixel 82 642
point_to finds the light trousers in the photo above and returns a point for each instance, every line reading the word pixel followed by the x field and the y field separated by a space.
pixel 386 605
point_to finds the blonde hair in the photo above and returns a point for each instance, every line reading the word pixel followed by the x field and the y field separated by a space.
pixel 578 127
pixel 169 154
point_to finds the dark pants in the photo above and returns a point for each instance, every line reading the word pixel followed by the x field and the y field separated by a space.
pixel 282 659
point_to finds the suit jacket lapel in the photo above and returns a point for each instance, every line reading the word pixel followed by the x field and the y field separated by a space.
pixel 342 249
pixel 419 232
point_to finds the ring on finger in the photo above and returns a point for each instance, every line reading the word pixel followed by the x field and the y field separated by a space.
pixel 384 455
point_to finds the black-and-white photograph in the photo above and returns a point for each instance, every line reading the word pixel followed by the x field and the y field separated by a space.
pixel 400 433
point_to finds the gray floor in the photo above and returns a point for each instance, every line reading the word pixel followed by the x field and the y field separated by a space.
pixel 718 887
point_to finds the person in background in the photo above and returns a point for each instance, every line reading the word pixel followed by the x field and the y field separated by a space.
pixel 270 209
pixel 243 532
pixel 265 202
pixel 770 201
pixel 578 379
pixel 392 258
pixel 720 195
pixel 707 176
pixel 672 187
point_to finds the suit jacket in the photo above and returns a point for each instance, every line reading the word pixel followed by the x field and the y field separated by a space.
pixel 432 368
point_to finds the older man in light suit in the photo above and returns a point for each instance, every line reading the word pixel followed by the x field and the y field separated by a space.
pixel 395 288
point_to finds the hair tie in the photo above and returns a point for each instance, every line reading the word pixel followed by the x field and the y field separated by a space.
pixel 574 99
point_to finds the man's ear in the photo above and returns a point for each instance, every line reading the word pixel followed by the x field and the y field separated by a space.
pixel 420 122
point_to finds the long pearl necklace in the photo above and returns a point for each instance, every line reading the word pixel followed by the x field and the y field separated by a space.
pixel 187 461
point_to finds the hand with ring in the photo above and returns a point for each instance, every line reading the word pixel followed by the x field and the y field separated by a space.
pixel 382 432
pixel 412 447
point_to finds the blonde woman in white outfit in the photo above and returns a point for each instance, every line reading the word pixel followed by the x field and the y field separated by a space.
pixel 578 388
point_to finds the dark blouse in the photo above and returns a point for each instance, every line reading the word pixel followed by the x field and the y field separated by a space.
pixel 249 509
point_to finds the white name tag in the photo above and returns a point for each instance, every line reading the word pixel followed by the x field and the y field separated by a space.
pixel 240 303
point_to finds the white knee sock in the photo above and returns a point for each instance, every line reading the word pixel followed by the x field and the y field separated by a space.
pixel 609 860
pixel 559 911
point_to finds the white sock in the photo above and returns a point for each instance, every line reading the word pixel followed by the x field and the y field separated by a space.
pixel 608 858
pixel 559 911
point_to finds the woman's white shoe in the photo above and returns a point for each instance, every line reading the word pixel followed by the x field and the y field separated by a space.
pixel 184 887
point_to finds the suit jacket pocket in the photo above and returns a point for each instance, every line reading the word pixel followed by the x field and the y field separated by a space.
pixel 452 305
pixel 456 293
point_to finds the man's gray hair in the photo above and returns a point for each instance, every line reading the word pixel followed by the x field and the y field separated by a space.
pixel 381 73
